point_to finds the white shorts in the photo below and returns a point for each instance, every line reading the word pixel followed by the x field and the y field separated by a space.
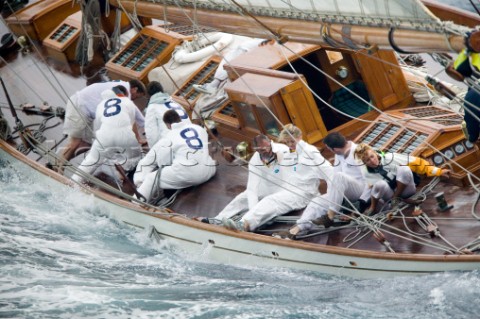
pixel 77 123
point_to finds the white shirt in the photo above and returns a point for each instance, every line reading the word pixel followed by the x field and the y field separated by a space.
pixel 304 168
pixel 185 147
pixel 91 96
pixel 115 111
pixel 352 167
pixel 348 165
pixel 155 128
pixel 390 163
pixel 264 179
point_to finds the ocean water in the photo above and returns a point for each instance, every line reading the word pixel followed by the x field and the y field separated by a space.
pixel 61 257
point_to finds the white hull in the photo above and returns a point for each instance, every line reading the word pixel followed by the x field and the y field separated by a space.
pixel 216 244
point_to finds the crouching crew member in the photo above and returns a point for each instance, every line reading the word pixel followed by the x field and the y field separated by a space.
pixel 116 140
pixel 301 171
pixel 390 175
pixel 263 178
pixel 182 158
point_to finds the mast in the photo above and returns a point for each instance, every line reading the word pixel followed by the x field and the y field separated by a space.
pixel 298 30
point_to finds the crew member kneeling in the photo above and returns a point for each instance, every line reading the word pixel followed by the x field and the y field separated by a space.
pixel 181 156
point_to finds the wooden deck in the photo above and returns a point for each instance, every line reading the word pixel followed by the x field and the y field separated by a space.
pixel 25 77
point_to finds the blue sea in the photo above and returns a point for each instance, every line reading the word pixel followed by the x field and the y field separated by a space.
pixel 60 257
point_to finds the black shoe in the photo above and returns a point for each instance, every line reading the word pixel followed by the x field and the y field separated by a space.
pixel 204 220
pixel 323 220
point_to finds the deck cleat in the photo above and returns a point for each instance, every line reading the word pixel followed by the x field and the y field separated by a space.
pixel 417 211
pixel 433 230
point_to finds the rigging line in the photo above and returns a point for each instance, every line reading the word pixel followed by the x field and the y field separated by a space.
pixel 53 147
pixel 413 238
pixel 90 178
pixel 422 241
pixel 253 91
pixel 474 206
pixel 21 79
pixel 392 120
pixel 334 108
pixel 438 218
pixel 394 228
pixel 133 20
pixel 42 59
pixel 474 186
pixel 404 221
pixel 265 105
pixel 12 108
pixel 475 7
pixel 278 36
pixel 282 182
pixel 464 169
pixel 382 222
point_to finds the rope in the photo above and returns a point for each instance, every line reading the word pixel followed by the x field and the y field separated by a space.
pixel 132 17
pixel 91 29
pixel 304 83
pixel 115 38
pixel 393 120
pixel 276 119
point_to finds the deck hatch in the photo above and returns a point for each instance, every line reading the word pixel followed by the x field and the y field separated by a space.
pixel 393 138
pixel 406 142
pixel 63 33
pixel 204 76
pixel 140 53
pixel 426 112
pixel 435 114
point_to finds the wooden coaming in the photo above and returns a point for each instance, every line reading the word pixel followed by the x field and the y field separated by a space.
pixel 122 71
pixel 60 48
pixel 38 19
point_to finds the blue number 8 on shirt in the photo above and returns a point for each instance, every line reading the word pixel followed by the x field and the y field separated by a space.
pixel 181 112
pixel 112 107
pixel 191 137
